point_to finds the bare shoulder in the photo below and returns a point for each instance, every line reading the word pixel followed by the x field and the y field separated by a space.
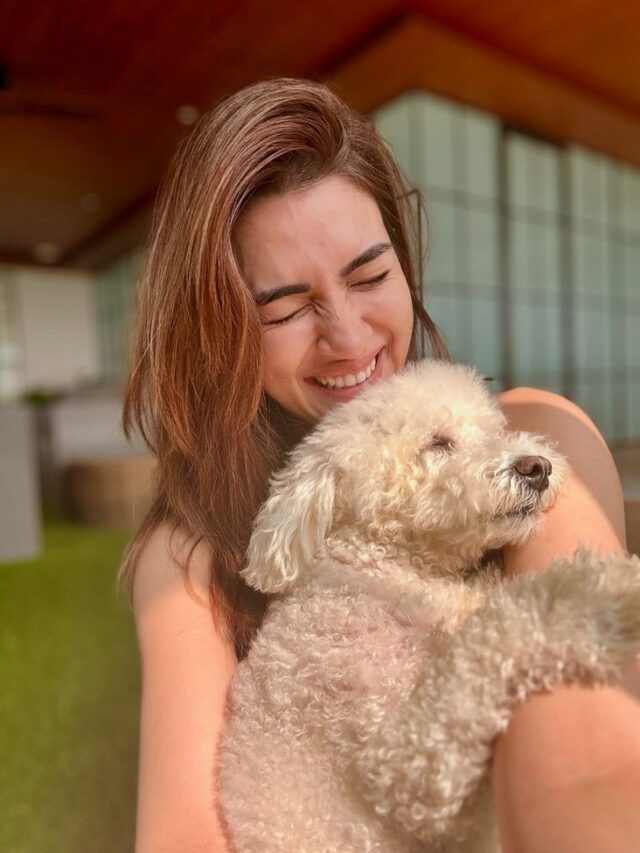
pixel 540 398
pixel 590 509
pixel 165 597
pixel 160 560
pixel 535 408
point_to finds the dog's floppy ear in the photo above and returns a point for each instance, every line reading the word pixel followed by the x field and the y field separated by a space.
pixel 291 524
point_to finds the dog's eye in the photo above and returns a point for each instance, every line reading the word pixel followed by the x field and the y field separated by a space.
pixel 441 442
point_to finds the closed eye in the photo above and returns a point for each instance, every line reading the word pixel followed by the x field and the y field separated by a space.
pixel 289 317
pixel 378 279
pixel 370 282
pixel 441 442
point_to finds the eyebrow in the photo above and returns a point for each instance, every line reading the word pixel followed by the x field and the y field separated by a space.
pixel 283 290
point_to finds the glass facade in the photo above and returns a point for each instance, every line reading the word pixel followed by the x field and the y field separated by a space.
pixel 11 351
pixel 115 289
pixel 533 255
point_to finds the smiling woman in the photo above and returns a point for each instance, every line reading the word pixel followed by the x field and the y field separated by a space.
pixel 281 280
pixel 282 265
pixel 348 318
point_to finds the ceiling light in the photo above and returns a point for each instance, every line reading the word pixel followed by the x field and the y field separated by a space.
pixel 187 115
pixel 47 253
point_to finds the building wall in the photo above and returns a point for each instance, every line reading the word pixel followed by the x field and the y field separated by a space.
pixel 532 269
pixel 48 329
pixel 115 289
pixel 534 255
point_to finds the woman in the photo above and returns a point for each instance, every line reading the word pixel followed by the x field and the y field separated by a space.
pixel 280 268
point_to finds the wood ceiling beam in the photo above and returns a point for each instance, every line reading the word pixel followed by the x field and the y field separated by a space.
pixel 419 54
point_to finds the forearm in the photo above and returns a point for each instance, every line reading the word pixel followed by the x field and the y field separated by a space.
pixel 565 750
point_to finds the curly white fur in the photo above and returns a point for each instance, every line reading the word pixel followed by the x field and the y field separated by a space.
pixel 392 653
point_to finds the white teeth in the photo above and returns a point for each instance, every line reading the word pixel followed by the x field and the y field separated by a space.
pixel 349 379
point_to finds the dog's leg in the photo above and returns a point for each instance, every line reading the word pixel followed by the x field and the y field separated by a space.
pixel 578 621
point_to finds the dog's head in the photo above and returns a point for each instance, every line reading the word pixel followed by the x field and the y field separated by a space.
pixel 421 460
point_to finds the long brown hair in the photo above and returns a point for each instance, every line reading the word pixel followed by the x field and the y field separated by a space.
pixel 195 388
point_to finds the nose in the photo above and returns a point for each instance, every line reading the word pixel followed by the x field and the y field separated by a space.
pixel 535 469
pixel 343 332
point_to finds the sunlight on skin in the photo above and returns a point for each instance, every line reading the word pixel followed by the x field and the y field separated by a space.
pixel 582 795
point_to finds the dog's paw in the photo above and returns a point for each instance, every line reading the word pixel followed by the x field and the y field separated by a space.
pixel 588 610
pixel 607 589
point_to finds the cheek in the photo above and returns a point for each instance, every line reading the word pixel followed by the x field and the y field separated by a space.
pixel 396 305
pixel 283 351
pixel 394 311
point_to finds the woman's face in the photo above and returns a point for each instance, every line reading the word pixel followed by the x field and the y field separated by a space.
pixel 335 306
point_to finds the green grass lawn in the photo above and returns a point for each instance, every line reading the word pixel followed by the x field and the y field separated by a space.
pixel 69 685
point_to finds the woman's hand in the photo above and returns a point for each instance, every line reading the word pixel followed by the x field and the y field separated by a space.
pixel 567 770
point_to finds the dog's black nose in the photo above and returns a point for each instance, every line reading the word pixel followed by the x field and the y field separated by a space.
pixel 535 469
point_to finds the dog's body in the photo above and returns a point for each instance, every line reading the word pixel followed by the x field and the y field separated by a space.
pixel 392 654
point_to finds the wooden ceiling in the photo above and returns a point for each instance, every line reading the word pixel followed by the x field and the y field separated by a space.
pixel 89 91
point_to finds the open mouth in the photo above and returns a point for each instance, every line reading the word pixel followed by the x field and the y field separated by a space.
pixel 347 386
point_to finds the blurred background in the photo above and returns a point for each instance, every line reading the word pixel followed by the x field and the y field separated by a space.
pixel 519 122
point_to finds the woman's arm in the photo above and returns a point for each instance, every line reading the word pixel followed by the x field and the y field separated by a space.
pixel 567 770
pixel 186 668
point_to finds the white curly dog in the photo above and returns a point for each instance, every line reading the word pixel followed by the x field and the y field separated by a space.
pixel 392 653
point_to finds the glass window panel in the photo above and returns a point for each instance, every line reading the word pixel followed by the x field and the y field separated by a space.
pixel 633 410
pixel 445 311
pixel 442 243
pixel 550 179
pixel 486 334
pixel 591 344
pixel 594 396
pixel 602 397
pixel 11 345
pixel 464 343
pixel 435 121
pixel 632 268
pixel 482 138
pixel 580 395
pixel 595 263
pixel 535 340
pixel 633 338
pixel 115 288
pixel 619 411
pixel 631 197
pixel 615 194
pixel 580 261
pixel 518 254
pixel 554 383
pixel 574 168
pixel 618 330
pixel 518 170
pixel 393 122
pixel 544 257
pixel 483 262
pixel 542 176
pixel 588 185
pixel 615 271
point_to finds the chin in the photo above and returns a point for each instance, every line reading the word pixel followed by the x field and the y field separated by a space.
pixel 514 529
